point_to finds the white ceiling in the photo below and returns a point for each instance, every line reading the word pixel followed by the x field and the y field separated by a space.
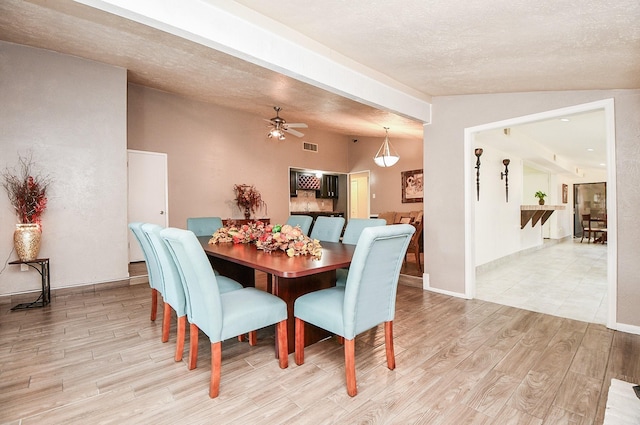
pixel 437 48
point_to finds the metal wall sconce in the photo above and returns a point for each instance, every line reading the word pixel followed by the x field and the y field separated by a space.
pixel 478 152
pixel 505 175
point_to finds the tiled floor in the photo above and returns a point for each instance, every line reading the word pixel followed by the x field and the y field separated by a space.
pixel 567 279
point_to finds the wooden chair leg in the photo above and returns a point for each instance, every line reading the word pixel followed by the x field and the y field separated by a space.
pixel 182 324
pixel 216 362
pixel 299 341
pixel 154 304
pixel 193 346
pixel 269 283
pixel 283 345
pixel 166 322
pixel 350 366
pixel 253 338
pixel 388 343
pixel 417 253
pixel 340 339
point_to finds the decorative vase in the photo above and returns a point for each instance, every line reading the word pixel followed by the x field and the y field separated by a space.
pixel 26 240
pixel 541 202
pixel 247 213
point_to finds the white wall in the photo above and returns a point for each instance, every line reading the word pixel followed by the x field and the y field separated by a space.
pixel 71 113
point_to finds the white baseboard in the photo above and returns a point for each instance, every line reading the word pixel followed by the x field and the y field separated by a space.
pixel 630 329
pixel 426 286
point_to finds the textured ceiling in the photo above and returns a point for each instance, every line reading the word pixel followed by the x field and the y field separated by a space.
pixel 438 48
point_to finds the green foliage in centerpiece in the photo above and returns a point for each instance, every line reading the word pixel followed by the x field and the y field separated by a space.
pixel 270 238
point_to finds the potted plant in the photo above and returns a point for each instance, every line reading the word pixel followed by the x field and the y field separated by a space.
pixel 540 195
pixel 28 196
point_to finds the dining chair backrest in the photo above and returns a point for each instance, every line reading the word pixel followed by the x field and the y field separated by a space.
pixel 355 226
pixel 327 229
pixel 153 267
pixel 199 281
pixel 372 283
pixel 173 287
pixel 304 221
pixel 204 226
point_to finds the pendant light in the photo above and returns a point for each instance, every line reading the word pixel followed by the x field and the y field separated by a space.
pixel 386 155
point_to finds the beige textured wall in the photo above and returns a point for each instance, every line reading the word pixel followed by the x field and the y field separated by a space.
pixel 386 182
pixel 443 156
pixel 211 148
pixel 71 114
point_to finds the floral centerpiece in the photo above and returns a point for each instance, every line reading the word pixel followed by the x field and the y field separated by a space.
pixel 27 192
pixel 270 238
pixel 248 199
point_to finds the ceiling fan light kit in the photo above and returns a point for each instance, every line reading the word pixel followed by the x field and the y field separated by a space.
pixel 386 155
pixel 279 126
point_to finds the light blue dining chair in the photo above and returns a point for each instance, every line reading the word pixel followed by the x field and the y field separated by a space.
pixel 204 226
pixel 221 315
pixel 352 232
pixel 367 300
pixel 153 268
pixel 327 229
pixel 174 297
pixel 304 221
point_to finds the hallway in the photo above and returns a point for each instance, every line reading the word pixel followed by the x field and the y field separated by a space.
pixel 567 279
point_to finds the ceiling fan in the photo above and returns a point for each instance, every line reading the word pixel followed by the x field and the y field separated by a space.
pixel 279 126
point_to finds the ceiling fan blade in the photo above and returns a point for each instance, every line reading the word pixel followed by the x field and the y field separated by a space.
pixel 296 125
pixel 294 132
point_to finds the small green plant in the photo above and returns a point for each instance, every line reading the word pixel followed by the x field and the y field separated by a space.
pixel 540 195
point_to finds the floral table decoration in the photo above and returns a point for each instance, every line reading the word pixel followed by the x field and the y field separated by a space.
pixel 269 238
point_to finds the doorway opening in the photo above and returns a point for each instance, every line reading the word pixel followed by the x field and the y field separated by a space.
pixel 607 106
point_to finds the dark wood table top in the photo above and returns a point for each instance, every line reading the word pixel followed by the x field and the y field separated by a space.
pixel 335 255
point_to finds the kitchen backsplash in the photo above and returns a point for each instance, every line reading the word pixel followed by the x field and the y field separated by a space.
pixel 307 201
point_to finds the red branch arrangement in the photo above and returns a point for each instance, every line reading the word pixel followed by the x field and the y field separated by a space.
pixel 248 198
pixel 27 192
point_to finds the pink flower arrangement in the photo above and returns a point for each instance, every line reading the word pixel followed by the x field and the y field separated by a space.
pixel 27 193
pixel 270 238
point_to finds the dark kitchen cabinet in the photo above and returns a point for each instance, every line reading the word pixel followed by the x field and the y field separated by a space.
pixel 328 187
pixel 293 183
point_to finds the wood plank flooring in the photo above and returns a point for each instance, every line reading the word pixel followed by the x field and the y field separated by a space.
pixel 94 357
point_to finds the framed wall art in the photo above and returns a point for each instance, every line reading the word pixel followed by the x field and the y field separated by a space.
pixel 565 193
pixel 412 186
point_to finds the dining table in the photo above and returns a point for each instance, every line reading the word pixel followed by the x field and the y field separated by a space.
pixel 290 277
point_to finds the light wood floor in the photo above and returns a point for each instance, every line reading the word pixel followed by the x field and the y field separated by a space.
pixel 95 357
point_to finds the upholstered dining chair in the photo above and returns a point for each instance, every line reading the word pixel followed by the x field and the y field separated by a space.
pixel 352 232
pixel 174 297
pixel 304 221
pixel 153 268
pixel 204 226
pixel 367 300
pixel 221 315
pixel 327 229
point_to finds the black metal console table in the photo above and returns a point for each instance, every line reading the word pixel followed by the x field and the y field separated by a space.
pixel 45 295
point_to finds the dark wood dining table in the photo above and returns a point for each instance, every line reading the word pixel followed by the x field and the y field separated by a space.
pixel 291 276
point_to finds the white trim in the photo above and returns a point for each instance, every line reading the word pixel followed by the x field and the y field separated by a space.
pixel 630 329
pixel 426 287
pixel 469 213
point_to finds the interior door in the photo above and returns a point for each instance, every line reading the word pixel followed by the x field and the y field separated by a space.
pixel 147 193
pixel 359 195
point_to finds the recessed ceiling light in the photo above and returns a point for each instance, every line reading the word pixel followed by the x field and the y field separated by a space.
pixel 589 150
pixel 602 164
pixel 564 119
